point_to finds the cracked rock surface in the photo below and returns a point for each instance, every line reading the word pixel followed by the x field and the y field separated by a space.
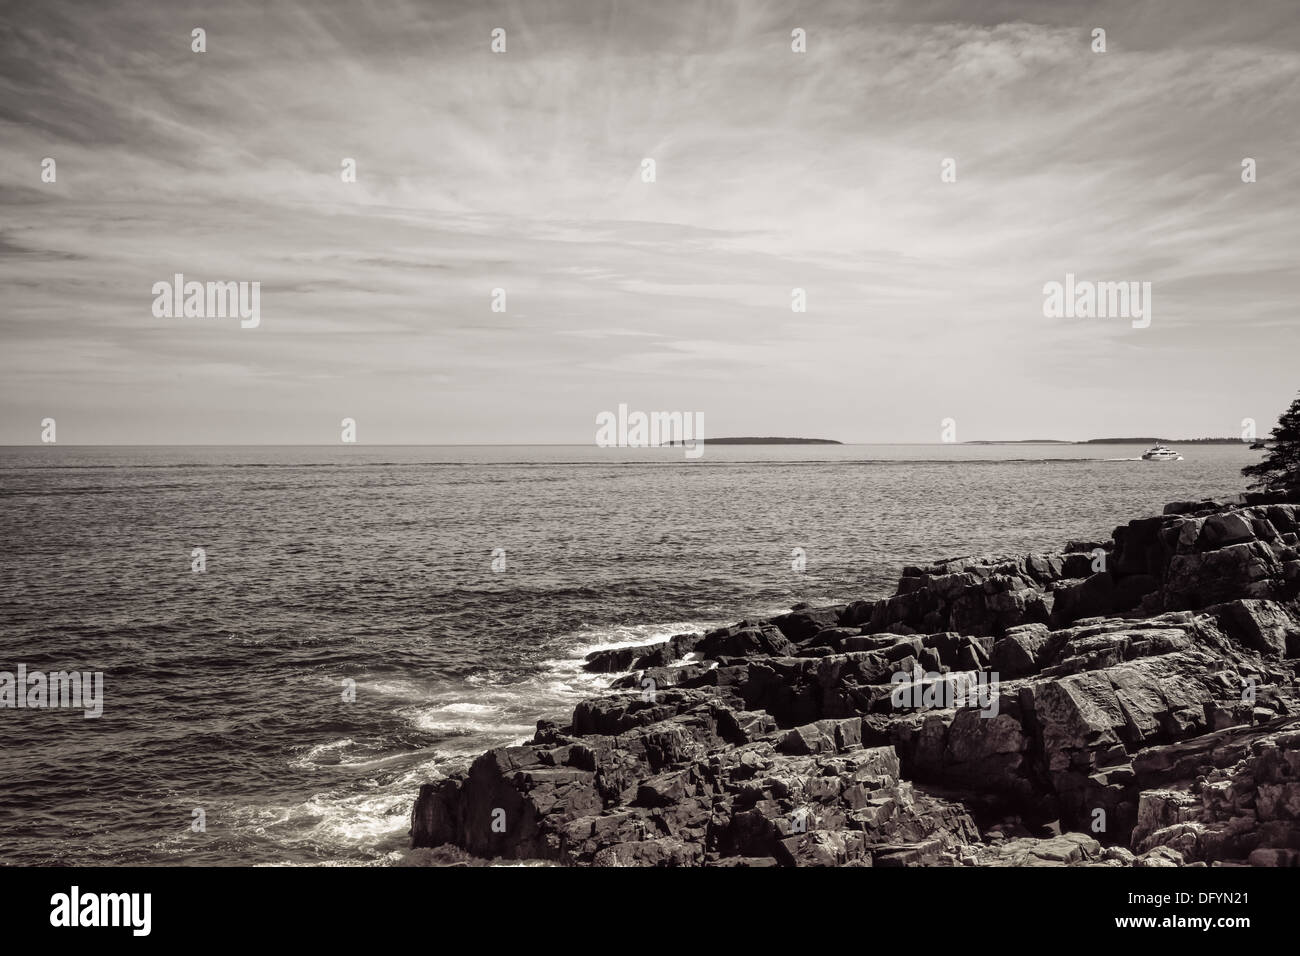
pixel 1140 708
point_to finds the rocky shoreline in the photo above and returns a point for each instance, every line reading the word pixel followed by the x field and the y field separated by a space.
pixel 1134 702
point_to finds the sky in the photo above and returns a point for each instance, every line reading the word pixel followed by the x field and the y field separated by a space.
pixel 522 171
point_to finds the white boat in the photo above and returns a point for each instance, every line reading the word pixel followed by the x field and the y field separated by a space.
pixel 1162 453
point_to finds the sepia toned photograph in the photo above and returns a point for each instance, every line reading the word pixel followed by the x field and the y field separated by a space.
pixel 576 434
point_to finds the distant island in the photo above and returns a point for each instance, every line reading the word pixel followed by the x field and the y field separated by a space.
pixel 1114 441
pixel 1166 441
pixel 760 441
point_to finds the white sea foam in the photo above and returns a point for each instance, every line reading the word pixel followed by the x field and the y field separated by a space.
pixel 469 717
pixel 322 753
pixel 633 635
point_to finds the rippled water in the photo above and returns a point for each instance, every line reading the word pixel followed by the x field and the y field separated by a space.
pixel 224 690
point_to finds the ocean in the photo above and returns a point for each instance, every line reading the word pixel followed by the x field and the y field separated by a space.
pixel 452 591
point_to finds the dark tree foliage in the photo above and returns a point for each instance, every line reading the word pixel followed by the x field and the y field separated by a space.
pixel 1280 469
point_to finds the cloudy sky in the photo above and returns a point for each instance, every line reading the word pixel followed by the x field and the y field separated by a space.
pixel 521 171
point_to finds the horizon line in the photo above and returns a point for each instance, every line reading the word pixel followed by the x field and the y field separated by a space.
pixel 673 447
